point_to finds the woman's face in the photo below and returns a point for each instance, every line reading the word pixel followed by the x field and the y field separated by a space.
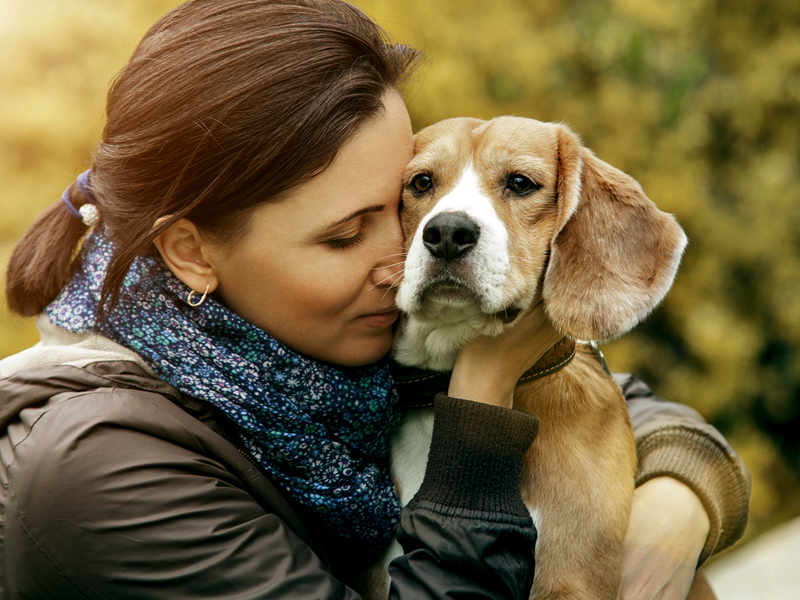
pixel 316 270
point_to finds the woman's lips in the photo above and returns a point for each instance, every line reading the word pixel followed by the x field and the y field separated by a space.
pixel 381 319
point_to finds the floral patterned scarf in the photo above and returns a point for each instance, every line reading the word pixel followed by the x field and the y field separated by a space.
pixel 322 434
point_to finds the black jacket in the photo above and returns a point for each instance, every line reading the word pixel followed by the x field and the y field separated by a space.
pixel 115 485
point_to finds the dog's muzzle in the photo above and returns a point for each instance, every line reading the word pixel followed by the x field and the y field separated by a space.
pixel 456 259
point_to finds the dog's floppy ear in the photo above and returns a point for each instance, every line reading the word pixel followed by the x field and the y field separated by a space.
pixel 614 254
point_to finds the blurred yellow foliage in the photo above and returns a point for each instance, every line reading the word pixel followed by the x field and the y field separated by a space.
pixel 700 101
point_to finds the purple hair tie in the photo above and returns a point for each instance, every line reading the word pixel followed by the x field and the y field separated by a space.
pixel 88 212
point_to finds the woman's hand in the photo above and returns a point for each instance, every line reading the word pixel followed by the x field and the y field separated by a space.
pixel 667 532
pixel 487 369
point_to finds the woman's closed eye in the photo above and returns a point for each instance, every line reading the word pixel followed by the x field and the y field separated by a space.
pixel 348 242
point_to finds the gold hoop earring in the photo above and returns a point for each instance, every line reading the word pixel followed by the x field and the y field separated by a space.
pixel 202 298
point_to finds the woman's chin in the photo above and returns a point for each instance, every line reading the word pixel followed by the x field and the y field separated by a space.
pixel 363 353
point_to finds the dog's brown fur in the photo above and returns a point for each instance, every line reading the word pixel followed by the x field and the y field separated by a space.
pixel 579 473
pixel 601 255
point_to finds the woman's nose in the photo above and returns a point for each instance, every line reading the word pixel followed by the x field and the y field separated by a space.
pixel 389 271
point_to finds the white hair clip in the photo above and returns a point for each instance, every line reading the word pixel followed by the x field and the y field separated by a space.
pixel 89 214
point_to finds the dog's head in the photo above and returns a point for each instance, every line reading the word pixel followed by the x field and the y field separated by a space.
pixel 496 213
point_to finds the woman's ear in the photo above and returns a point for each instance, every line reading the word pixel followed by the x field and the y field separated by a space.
pixel 188 256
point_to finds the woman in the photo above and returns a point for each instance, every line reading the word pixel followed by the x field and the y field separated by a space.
pixel 208 411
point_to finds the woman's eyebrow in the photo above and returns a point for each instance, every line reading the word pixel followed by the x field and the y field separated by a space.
pixel 358 213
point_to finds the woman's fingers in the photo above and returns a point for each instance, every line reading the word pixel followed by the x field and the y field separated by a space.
pixel 487 368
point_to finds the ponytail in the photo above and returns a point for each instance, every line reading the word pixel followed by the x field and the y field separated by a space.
pixel 45 258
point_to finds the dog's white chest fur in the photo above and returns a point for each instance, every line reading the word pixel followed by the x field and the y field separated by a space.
pixel 410 444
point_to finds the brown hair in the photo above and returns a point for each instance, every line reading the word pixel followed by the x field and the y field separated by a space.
pixel 225 105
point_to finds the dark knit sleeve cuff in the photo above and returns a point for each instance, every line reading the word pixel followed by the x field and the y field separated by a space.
pixel 695 459
pixel 476 456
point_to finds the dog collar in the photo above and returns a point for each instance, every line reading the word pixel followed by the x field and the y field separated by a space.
pixel 418 387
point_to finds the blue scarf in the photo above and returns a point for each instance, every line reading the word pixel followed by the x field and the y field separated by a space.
pixel 321 434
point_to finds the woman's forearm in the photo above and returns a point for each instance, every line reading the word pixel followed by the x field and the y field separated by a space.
pixel 674 440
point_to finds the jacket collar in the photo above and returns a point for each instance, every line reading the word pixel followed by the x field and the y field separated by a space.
pixel 61 347
pixel 26 388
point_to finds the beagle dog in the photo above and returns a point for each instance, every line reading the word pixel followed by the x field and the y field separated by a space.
pixel 499 213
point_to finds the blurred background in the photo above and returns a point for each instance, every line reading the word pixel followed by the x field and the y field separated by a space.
pixel 697 99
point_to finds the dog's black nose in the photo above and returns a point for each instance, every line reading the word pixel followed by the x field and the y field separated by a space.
pixel 450 235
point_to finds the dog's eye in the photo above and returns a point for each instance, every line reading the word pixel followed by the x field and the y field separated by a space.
pixel 422 183
pixel 521 185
